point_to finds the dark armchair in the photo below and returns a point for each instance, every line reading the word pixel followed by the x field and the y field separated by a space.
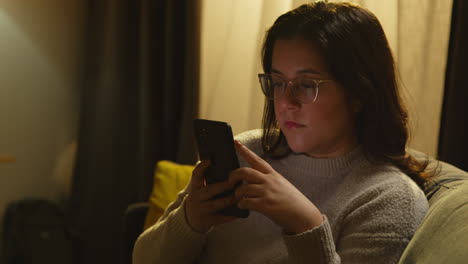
pixel 133 226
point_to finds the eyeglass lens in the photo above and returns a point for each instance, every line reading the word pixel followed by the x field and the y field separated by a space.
pixel 303 89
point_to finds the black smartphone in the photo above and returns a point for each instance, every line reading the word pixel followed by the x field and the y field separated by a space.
pixel 215 142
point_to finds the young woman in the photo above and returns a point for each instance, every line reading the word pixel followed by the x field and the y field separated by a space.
pixel 327 179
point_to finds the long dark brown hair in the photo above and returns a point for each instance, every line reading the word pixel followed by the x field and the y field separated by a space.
pixel 353 43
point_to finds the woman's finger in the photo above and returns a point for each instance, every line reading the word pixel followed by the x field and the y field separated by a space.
pixel 253 159
pixel 211 190
pixel 249 190
pixel 251 203
pixel 245 174
pixel 213 206
pixel 198 178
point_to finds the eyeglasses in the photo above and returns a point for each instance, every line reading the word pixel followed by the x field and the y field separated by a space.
pixel 304 89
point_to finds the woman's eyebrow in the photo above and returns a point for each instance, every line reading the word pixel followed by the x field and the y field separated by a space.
pixel 275 71
pixel 310 71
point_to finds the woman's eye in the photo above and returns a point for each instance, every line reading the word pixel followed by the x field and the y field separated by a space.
pixel 307 84
pixel 276 83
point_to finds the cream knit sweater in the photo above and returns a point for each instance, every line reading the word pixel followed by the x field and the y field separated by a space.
pixel 371 212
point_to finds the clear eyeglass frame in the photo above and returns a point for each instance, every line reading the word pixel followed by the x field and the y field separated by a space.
pixel 303 89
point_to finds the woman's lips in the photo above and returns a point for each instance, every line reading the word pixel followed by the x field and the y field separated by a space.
pixel 291 124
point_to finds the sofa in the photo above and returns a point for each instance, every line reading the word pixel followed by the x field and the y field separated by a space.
pixel 441 238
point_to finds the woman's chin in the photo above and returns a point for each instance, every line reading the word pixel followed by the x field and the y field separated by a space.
pixel 298 146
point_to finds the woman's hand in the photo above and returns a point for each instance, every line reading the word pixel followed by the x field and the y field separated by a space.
pixel 200 210
pixel 266 191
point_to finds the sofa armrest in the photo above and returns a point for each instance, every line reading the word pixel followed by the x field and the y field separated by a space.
pixel 134 219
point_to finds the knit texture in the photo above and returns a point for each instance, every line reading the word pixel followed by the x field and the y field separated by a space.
pixel 370 214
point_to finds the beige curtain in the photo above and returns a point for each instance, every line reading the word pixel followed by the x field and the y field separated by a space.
pixel 232 31
pixel 418 33
pixel 423 37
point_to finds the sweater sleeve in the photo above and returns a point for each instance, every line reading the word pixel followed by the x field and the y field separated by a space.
pixel 376 229
pixel 171 239
pixel 313 246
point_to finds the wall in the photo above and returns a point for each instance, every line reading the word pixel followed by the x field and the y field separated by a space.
pixel 39 59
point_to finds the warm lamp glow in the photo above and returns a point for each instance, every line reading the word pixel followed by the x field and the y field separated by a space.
pixel 6 159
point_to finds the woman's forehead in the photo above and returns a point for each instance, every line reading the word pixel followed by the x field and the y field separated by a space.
pixel 297 56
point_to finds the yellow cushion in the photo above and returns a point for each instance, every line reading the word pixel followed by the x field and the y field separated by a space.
pixel 169 179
